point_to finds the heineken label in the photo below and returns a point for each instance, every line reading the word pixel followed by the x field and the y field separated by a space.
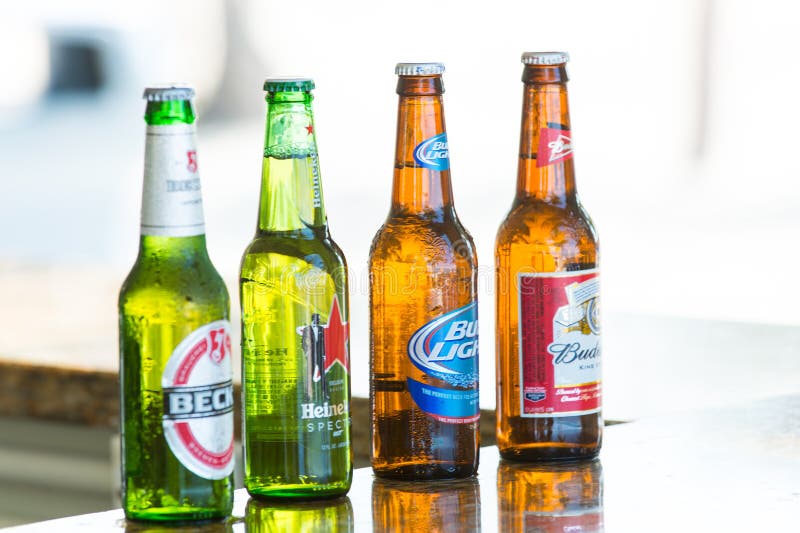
pixel 198 401
pixel 446 348
pixel 324 408
pixel 559 343
pixel 172 205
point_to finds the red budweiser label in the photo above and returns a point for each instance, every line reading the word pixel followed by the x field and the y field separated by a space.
pixel 554 145
pixel 559 343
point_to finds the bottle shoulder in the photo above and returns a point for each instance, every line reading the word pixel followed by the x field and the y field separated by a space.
pixel 316 249
pixel 536 222
pixel 411 239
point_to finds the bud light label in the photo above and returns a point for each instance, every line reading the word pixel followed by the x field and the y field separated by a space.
pixel 559 343
pixel 432 153
pixel 198 401
pixel 446 349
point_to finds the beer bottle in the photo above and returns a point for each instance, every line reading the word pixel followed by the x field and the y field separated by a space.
pixel 175 354
pixel 436 506
pixel 547 331
pixel 295 332
pixel 423 303
pixel 325 516
pixel 550 497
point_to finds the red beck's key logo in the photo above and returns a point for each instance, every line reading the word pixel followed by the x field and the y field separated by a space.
pixel 191 164
pixel 554 145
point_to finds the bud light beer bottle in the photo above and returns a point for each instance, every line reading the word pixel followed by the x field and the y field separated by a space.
pixel 175 352
pixel 435 506
pixel 548 331
pixel 295 331
pixel 423 303
pixel 550 497
pixel 320 516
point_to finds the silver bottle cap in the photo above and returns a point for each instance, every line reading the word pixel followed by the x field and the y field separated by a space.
pixel 419 69
pixel 163 93
pixel 544 58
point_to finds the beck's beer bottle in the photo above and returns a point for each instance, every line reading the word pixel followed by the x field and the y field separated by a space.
pixel 295 331
pixel 423 303
pixel 175 354
pixel 547 330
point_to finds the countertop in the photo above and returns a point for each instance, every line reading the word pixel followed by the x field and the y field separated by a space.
pixel 735 468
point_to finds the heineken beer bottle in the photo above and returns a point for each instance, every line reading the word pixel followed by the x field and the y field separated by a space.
pixel 295 329
pixel 175 354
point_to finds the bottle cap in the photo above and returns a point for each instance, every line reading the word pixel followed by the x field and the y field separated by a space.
pixel 419 69
pixel 163 93
pixel 288 85
pixel 544 58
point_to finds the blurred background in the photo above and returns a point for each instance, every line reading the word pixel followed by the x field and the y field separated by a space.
pixel 683 115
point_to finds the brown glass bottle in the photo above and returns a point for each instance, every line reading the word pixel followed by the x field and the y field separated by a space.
pixel 423 304
pixel 550 497
pixel 547 327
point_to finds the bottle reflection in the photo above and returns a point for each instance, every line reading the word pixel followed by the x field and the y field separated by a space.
pixel 219 526
pixel 550 497
pixel 426 507
pixel 325 516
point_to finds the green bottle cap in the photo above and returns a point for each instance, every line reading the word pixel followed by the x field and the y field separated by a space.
pixel 282 85
pixel 164 93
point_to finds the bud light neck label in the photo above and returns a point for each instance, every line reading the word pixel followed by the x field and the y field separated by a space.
pixel 197 386
pixel 446 349
pixel 432 153
pixel 172 204
pixel 559 343
pixel 555 145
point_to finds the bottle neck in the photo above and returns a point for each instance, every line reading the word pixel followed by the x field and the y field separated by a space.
pixel 422 166
pixel 546 169
pixel 172 204
pixel 291 186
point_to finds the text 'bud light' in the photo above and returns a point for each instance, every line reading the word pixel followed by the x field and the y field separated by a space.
pixel 432 153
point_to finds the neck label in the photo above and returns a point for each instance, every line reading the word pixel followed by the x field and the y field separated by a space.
pixel 172 204
pixel 432 153
pixel 555 145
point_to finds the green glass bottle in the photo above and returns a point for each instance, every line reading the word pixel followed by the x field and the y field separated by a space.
pixel 327 516
pixel 295 332
pixel 176 406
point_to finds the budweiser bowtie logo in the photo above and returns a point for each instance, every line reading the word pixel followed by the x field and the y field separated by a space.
pixel 554 145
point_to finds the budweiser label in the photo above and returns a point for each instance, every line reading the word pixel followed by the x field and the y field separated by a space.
pixel 171 200
pixel 554 145
pixel 198 401
pixel 559 343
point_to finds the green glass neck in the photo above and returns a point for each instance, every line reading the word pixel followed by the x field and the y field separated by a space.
pixel 291 187
pixel 169 112
pixel 171 249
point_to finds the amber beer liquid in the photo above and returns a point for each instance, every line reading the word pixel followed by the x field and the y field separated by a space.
pixel 423 303
pixel 547 330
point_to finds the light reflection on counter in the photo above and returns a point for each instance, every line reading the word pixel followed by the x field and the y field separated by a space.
pixel 324 516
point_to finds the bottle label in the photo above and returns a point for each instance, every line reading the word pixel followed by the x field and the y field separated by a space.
pixel 324 407
pixel 446 349
pixel 172 205
pixel 555 145
pixel 198 401
pixel 432 153
pixel 589 521
pixel 559 343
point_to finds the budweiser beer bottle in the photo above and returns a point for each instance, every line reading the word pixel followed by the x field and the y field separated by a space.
pixel 548 332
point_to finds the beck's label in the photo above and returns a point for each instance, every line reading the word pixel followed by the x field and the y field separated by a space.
pixel 446 349
pixel 559 343
pixel 172 205
pixel 198 401
pixel 432 153
pixel 555 145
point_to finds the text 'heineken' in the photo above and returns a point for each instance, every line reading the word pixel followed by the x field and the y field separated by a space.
pixel 423 303
pixel 295 331
pixel 175 353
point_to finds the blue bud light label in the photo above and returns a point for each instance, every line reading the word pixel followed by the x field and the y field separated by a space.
pixel 446 349
pixel 432 153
